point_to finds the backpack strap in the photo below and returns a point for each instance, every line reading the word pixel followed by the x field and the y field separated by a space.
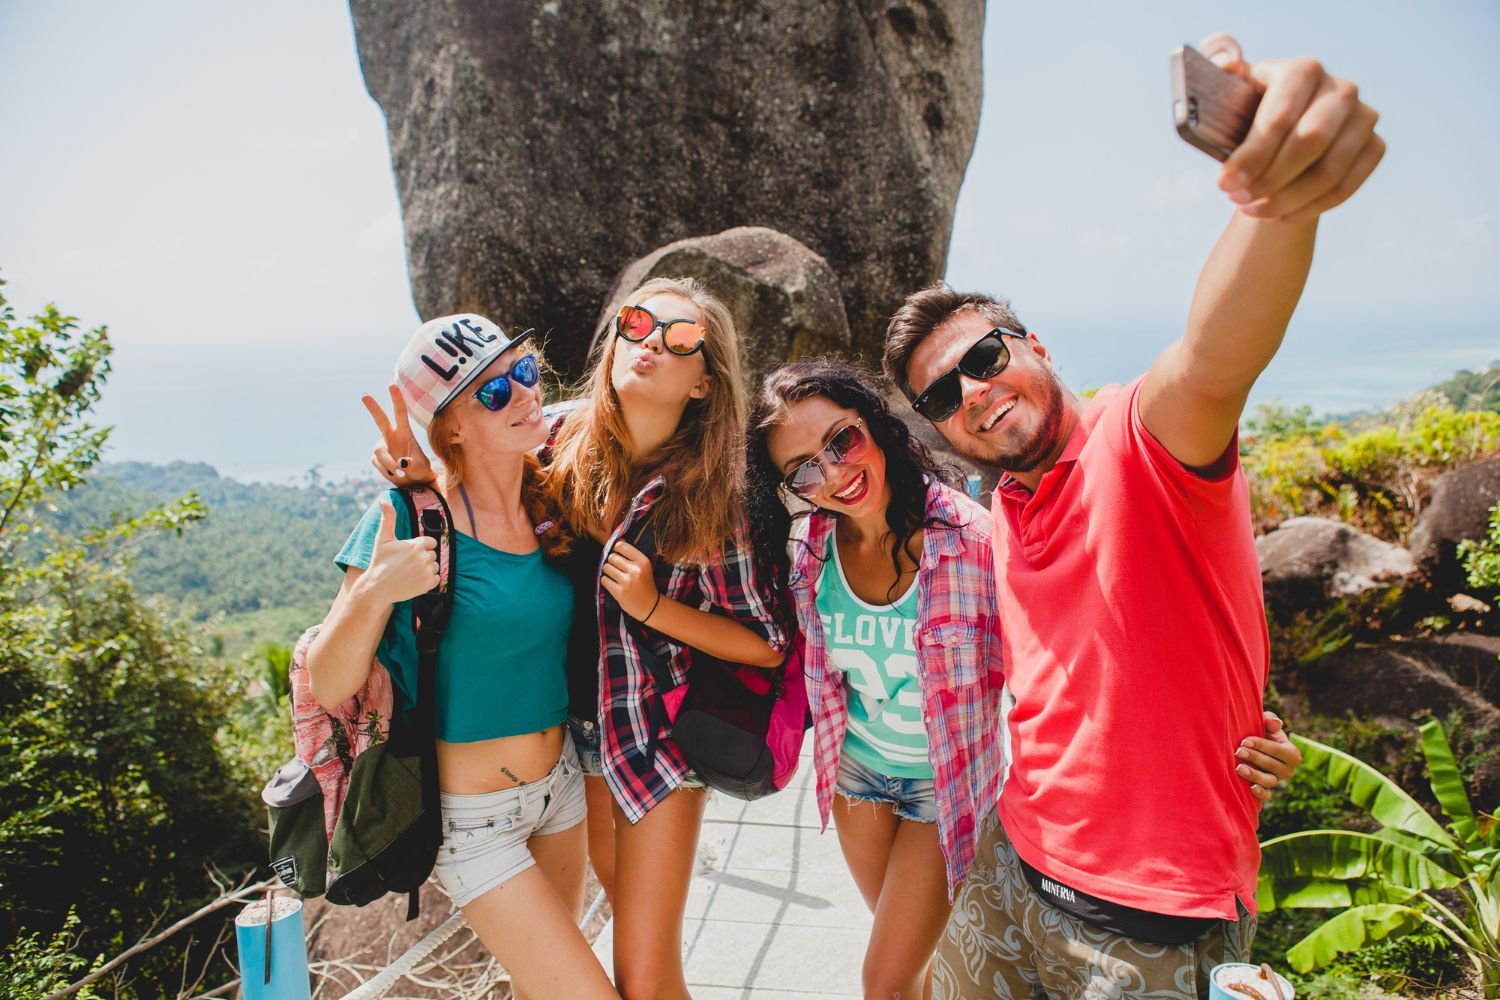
pixel 643 538
pixel 430 518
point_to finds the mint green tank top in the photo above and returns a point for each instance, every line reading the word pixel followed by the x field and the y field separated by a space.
pixel 875 648
pixel 500 665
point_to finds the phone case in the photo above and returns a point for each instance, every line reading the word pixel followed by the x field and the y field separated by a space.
pixel 1213 109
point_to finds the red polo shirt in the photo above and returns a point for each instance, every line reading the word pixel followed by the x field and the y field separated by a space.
pixel 1135 645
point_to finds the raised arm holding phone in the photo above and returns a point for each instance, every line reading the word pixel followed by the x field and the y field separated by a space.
pixel 1311 144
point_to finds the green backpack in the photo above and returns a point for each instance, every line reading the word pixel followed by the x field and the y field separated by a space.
pixel 355 814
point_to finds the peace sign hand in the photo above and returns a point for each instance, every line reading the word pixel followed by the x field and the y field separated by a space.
pixel 398 456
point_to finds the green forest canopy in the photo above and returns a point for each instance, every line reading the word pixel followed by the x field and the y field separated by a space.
pixel 263 545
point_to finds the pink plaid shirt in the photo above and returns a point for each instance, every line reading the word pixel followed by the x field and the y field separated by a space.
pixel 958 665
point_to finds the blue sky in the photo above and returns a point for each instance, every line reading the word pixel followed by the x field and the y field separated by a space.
pixel 213 182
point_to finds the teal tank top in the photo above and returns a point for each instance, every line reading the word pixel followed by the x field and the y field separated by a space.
pixel 501 662
pixel 875 648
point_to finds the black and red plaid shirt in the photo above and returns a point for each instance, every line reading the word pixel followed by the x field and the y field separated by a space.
pixel 627 692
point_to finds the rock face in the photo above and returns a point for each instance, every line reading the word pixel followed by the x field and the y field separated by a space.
pixel 784 298
pixel 1460 509
pixel 1399 683
pixel 1309 561
pixel 540 146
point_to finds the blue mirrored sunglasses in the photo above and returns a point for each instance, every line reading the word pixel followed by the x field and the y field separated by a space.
pixel 495 393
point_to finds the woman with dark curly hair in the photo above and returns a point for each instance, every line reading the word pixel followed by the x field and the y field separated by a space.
pixel 893 580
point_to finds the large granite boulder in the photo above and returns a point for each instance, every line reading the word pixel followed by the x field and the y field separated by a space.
pixel 1471 660
pixel 540 146
pixel 1459 509
pixel 1309 561
pixel 784 298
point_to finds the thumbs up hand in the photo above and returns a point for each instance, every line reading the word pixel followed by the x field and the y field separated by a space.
pixel 400 569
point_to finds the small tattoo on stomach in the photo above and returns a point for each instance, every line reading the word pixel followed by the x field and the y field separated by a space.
pixel 509 774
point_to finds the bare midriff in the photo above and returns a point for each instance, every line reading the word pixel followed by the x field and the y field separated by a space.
pixel 504 762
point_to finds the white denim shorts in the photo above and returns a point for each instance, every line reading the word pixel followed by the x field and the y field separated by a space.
pixel 485 836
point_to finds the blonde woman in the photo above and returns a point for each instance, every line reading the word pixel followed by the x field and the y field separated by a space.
pixel 659 438
pixel 512 855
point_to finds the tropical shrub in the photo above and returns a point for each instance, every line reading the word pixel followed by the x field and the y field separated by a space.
pixel 120 798
pixel 1377 478
pixel 1410 872
pixel 1481 558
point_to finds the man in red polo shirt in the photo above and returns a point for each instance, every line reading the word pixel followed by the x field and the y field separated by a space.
pixel 1130 598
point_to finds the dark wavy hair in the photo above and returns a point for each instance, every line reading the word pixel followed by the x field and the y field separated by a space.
pixel 908 463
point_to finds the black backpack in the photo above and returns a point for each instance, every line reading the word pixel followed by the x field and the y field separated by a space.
pixel 740 728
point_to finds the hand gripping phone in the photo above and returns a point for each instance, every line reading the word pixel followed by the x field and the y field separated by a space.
pixel 1213 109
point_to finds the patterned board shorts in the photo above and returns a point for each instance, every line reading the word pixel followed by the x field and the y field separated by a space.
pixel 1005 941
pixel 585 737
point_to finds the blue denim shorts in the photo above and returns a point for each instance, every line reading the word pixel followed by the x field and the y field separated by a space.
pixel 586 736
pixel 913 798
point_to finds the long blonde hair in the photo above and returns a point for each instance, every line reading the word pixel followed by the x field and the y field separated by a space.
pixel 594 478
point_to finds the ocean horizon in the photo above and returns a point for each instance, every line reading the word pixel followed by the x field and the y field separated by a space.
pixel 275 423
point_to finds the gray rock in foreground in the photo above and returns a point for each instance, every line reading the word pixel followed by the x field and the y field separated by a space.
pixel 1401 683
pixel 1308 561
pixel 540 146
pixel 784 298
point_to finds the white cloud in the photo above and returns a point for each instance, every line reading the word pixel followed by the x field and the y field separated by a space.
pixel 381 237
pixel 1102 243
pixel 1179 188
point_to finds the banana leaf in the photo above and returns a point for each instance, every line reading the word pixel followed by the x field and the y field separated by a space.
pixel 1447 782
pixel 1350 931
pixel 1343 855
pixel 1451 860
pixel 1326 894
pixel 1372 791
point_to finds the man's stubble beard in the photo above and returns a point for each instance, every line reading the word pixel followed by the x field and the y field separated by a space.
pixel 1035 449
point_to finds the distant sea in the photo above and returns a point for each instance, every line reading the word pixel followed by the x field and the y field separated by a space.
pixel 261 420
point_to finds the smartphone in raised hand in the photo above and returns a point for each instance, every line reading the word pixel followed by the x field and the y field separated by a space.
pixel 1212 108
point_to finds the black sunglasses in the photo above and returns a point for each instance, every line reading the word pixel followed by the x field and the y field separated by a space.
pixel 986 359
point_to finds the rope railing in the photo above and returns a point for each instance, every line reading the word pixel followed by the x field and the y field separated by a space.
pixel 407 960
pixel 412 957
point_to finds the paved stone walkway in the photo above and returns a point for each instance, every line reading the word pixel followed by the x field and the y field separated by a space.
pixel 773 913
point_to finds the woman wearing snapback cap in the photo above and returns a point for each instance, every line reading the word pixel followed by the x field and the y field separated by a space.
pixel 512 792
pixel 659 436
